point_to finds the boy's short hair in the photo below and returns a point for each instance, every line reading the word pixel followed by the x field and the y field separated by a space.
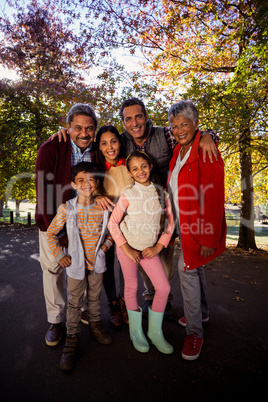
pixel 87 167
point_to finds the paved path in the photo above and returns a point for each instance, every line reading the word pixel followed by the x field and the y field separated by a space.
pixel 232 365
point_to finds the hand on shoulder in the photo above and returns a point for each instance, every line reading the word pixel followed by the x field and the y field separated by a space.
pixel 61 134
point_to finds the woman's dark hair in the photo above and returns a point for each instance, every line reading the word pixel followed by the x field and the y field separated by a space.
pixel 154 180
pixel 100 160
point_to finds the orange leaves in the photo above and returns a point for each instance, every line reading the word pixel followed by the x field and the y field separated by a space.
pixel 238 299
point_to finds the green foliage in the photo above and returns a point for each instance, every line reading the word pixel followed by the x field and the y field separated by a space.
pixel 30 108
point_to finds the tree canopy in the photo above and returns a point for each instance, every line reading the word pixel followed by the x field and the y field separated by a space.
pixel 36 43
pixel 214 52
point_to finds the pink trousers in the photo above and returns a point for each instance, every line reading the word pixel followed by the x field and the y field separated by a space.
pixel 154 269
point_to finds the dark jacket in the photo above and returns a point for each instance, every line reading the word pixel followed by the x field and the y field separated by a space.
pixel 52 180
pixel 157 148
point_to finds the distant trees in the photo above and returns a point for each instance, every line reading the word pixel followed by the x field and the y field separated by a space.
pixel 49 58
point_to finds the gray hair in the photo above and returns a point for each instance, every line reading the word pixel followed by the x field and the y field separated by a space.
pixel 84 109
pixel 184 108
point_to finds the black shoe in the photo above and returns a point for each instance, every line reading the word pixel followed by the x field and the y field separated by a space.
pixel 53 334
pixel 69 354
pixel 116 317
pixel 168 313
pixel 99 332
pixel 145 307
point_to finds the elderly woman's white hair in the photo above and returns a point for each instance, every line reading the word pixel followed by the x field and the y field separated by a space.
pixel 184 108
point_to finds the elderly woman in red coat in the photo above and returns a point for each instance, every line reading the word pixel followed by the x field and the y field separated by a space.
pixel 197 192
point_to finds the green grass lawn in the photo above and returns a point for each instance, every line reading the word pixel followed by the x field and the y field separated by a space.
pixel 25 208
pixel 261 235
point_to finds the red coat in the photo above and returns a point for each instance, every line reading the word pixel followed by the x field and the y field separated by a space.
pixel 201 205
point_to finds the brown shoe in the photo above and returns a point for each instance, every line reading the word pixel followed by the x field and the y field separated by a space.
pixel 84 317
pixel 123 310
pixel 53 335
pixel 99 332
pixel 116 316
pixel 69 354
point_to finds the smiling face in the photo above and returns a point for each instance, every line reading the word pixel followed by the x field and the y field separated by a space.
pixel 140 170
pixel 110 147
pixel 85 184
pixel 82 131
pixel 134 122
pixel 183 130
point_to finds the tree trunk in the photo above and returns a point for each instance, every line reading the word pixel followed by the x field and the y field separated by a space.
pixel 18 207
pixel 246 229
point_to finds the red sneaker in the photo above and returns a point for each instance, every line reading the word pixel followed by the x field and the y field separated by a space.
pixel 182 320
pixel 192 347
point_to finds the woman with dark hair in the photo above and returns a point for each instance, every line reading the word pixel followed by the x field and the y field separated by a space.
pixel 99 155
pixel 115 179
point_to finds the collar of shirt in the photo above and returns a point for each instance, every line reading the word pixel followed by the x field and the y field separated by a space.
pixel 141 148
pixel 109 165
pixel 77 150
pixel 77 156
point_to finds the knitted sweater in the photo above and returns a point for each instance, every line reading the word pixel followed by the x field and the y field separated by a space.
pixel 140 227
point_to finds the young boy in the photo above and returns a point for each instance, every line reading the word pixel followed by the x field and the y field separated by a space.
pixel 85 262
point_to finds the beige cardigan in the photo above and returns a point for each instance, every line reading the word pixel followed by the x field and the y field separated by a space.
pixel 116 180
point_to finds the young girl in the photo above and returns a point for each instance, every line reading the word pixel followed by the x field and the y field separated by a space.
pixel 135 228
pixel 116 179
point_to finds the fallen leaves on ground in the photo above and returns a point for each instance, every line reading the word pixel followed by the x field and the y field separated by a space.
pixel 238 299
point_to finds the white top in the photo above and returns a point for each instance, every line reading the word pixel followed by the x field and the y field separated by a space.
pixel 173 182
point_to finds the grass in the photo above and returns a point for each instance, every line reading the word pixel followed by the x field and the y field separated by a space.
pixel 25 208
pixel 261 235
